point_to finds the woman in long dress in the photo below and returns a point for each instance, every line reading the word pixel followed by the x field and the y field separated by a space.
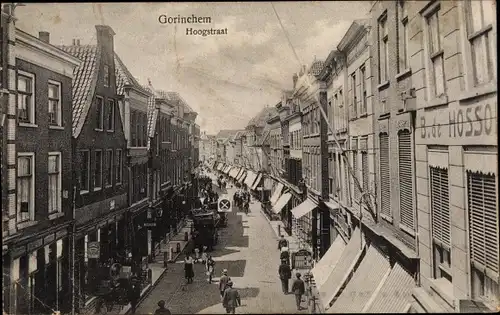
pixel 210 267
pixel 188 268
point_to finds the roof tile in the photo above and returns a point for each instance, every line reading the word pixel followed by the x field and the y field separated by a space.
pixel 85 77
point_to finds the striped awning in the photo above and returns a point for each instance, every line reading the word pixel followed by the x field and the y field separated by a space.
pixel 326 264
pixel 277 193
pixel 250 178
pixel 257 181
pixel 304 208
pixel 339 274
pixel 395 295
pixel 373 269
pixel 240 171
pixel 284 199
pixel 234 171
pixel 219 167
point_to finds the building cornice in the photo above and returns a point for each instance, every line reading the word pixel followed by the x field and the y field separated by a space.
pixel 48 49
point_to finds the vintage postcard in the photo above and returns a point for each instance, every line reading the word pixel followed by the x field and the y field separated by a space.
pixel 249 157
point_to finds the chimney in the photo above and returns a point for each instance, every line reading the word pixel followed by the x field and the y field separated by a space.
pixel 104 35
pixel 74 42
pixel 78 42
pixel 295 78
pixel 44 37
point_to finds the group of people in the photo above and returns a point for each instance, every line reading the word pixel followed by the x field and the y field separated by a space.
pixel 241 198
pixel 205 258
pixel 285 274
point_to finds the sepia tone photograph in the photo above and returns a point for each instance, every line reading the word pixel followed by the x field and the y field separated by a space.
pixel 293 157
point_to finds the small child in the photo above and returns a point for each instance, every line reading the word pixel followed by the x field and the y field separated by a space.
pixel 196 255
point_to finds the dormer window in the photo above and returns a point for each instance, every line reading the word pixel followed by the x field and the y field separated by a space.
pixel 106 76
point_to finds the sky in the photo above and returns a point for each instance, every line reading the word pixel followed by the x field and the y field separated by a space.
pixel 226 79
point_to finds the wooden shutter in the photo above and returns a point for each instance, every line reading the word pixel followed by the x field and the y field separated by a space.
pixel 406 180
pixel 385 176
pixel 440 207
pixel 483 221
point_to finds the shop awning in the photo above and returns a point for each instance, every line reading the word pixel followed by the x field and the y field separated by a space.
pixel 395 295
pixel 344 266
pixel 219 167
pixel 284 199
pixel 250 178
pixel 240 171
pixel 242 176
pixel 323 268
pixel 257 181
pixel 277 193
pixel 304 208
pixel 372 270
pixel 234 171
pixel 226 170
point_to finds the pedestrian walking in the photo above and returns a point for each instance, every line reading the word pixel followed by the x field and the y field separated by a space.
pixel 282 242
pixel 298 289
pixel 204 255
pixel 196 255
pixel 188 268
pixel 285 273
pixel 162 310
pixel 210 267
pixel 231 299
pixel 224 279
pixel 134 294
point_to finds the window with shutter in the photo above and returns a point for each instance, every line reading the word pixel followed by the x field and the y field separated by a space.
pixel 385 177
pixel 440 218
pixel 347 198
pixel 407 218
pixel 483 234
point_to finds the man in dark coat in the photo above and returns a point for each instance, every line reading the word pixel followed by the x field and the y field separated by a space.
pixel 298 289
pixel 282 242
pixel 285 273
pixel 231 299
pixel 162 310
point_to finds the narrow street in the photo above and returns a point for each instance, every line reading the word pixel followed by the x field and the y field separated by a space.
pixel 248 250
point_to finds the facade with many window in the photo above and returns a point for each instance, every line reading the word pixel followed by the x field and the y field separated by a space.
pixel 99 164
pixel 453 57
pixel 39 160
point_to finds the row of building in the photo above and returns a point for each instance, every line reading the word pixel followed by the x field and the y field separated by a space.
pixel 96 169
pixel 382 160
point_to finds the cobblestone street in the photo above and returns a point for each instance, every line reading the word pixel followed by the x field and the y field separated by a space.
pixel 248 249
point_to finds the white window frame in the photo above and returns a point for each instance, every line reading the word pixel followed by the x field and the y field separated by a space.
pixel 32 110
pixel 89 173
pixel 383 38
pixel 118 153
pixel 403 39
pixel 112 105
pixel 95 187
pixel 58 121
pixel 31 216
pixel 102 113
pixel 59 181
pixel 363 94
pixel 431 56
pixel 110 169
pixel 467 37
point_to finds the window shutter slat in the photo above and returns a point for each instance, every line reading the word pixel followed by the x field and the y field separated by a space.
pixel 385 179
pixel 483 221
pixel 406 180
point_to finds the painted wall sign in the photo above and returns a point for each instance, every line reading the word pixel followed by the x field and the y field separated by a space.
pixel 462 125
